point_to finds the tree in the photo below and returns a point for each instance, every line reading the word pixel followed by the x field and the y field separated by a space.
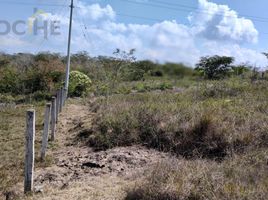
pixel 214 67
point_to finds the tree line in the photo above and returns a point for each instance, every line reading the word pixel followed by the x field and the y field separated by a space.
pixel 41 74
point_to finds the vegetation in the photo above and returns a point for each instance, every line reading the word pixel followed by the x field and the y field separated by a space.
pixel 27 77
pixel 219 130
pixel 79 84
pixel 214 119
pixel 243 177
pixel 211 121
pixel 215 67
pixel 12 134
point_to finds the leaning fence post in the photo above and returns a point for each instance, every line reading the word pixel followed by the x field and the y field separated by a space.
pixel 60 101
pixel 53 118
pixel 29 153
pixel 45 133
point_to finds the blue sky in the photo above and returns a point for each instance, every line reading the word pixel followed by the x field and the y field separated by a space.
pixel 160 30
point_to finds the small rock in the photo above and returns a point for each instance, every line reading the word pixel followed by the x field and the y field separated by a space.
pixel 39 189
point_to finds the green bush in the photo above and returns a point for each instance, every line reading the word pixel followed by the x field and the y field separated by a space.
pixel 165 86
pixel 9 81
pixel 140 87
pixel 41 95
pixel 79 84
pixel 133 73
pixel 34 81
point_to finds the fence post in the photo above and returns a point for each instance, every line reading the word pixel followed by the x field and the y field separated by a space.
pixel 45 133
pixel 63 96
pixel 53 118
pixel 60 101
pixel 29 153
pixel 57 105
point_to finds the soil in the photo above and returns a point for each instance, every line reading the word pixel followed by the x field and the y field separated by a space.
pixel 80 173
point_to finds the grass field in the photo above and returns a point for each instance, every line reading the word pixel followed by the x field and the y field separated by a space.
pixel 12 139
pixel 217 131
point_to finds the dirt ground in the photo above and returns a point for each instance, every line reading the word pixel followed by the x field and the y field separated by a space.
pixel 80 173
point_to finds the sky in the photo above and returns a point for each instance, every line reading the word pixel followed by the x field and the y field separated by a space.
pixel 159 30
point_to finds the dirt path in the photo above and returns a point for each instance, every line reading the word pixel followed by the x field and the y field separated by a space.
pixel 80 173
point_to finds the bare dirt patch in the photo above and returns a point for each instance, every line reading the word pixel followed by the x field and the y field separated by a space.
pixel 81 173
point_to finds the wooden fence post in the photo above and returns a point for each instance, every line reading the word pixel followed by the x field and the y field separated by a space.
pixel 45 133
pixel 29 153
pixel 60 101
pixel 53 118
pixel 57 105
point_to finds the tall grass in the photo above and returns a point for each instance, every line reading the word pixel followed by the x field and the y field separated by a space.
pixel 242 177
pixel 214 120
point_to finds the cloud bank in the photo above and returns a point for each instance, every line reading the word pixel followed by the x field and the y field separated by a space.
pixel 213 29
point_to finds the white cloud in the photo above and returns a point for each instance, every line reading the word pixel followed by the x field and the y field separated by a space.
pixel 95 11
pixel 12 41
pixel 219 22
pixel 163 41
pixel 241 55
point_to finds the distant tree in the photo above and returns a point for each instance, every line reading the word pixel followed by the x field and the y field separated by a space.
pixel 81 57
pixel 240 69
pixel 122 64
pixel 146 65
pixel 214 67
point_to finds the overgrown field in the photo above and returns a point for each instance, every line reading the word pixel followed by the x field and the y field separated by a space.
pixel 218 128
pixel 213 119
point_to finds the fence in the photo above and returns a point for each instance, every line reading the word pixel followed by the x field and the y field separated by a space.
pixel 52 111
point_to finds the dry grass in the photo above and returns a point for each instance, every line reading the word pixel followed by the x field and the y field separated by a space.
pixel 209 121
pixel 218 131
pixel 242 177
pixel 12 138
pixel 222 121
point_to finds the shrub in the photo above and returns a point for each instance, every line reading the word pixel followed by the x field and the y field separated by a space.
pixel 157 73
pixel 215 67
pixel 180 70
pixel 140 87
pixel 164 86
pixel 132 73
pixel 41 95
pixel 9 81
pixel 79 84
pixel 34 81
